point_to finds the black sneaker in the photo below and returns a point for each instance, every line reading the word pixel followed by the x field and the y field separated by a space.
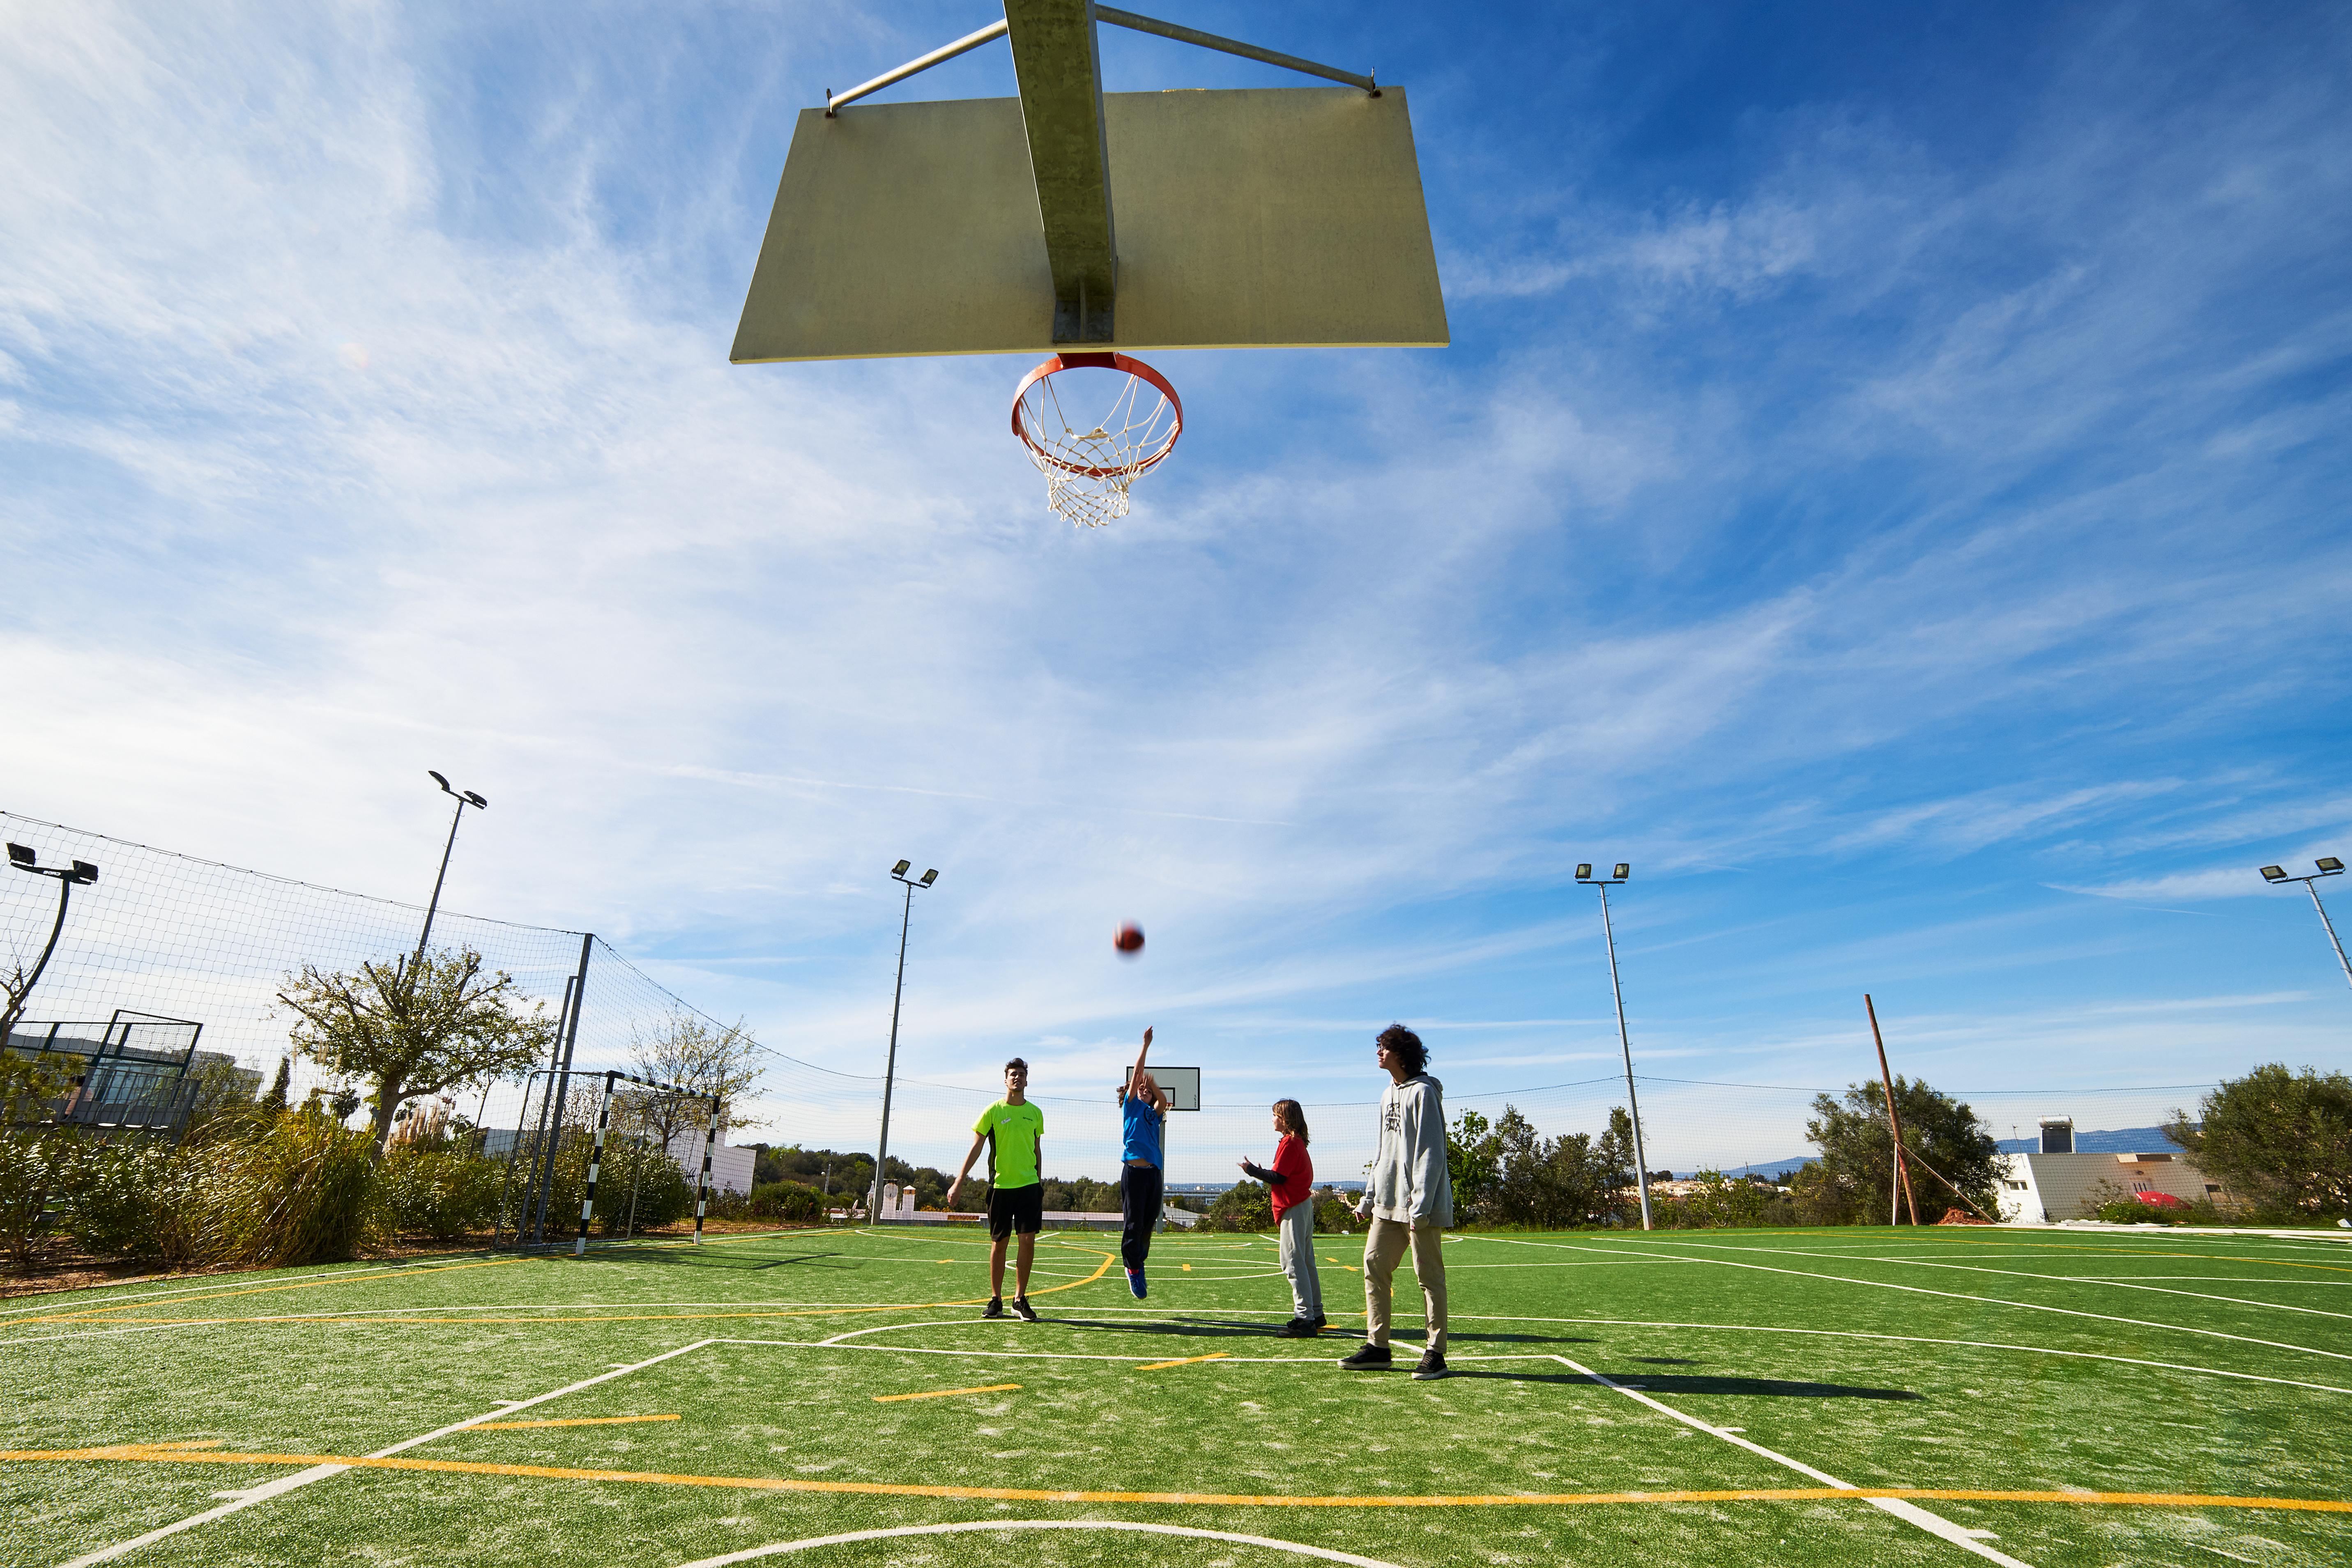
pixel 995 1308
pixel 1296 1328
pixel 1368 1358
pixel 1024 1310
pixel 1320 1320
pixel 1430 1364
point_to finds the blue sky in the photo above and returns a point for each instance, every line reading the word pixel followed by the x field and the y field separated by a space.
pixel 1887 483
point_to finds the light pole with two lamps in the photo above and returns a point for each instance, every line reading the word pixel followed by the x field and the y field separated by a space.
pixel 79 873
pixel 464 798
pixel 1617 878
pixel 890 1068
pixel 2328 866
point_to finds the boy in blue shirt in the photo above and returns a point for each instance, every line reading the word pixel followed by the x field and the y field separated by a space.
pixel 1142 1112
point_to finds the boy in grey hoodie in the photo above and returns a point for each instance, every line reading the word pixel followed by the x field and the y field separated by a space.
pixel 1409 1200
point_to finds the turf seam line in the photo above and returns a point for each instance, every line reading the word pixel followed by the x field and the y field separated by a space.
pixel 1296 1548
pixel 1911 1513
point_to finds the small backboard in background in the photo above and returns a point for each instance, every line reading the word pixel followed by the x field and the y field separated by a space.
pixel 1180 1084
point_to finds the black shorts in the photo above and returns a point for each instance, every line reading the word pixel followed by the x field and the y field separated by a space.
pixel 1021 1208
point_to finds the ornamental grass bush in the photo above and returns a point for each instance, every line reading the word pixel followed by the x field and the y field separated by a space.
pixel 441 1192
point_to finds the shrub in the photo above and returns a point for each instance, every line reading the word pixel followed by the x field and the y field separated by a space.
pixel 782 1200
pixel 294 1190
pixel 134 1198
pixel 639 1187
pixel 1722 1202
pixel 1242 1206
pixel 30 1162
pixel 440 1193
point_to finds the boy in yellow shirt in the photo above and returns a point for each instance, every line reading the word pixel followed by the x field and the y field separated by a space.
pixel 1014 1129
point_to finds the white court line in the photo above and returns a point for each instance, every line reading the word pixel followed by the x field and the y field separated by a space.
pixel 1296 1548
pixel 285 1484
pixel 1954 1296
pixel 1911 1513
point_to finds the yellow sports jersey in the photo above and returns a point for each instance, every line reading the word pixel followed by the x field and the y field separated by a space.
pixel 1012 1133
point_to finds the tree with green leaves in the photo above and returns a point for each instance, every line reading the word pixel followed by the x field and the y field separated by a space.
pixel 1856 1171
pixel 700 1056
pixel 274 1102
pixel 2280 1140
pixel 1473 1158
pixel 1554 1184
pixel 415 1027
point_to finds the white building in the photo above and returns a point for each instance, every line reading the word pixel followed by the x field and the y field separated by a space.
pixel 2052 1186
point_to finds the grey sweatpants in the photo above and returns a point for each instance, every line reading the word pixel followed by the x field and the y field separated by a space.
pixel 1384 1248
pixel 1297 1252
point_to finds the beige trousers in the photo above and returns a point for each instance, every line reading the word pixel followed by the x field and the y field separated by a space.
pixel 1384 1248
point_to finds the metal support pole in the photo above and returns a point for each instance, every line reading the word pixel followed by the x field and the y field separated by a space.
pixel 2310 886
pixel 1625 1041
pixel 890 1068
pixel 438 877
pixel 702 1189
pixel 995 29
pixel 1899 1191
pixel 17 1002
pixel 1193 36
pixel 595 1159
pixel 561 1091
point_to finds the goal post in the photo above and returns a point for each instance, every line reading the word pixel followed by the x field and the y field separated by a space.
pixel 614 1077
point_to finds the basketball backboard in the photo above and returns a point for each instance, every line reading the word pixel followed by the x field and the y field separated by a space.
pixel 1180 1084
pixel 1282 217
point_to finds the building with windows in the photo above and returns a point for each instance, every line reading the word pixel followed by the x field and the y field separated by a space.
pixel 2056 1183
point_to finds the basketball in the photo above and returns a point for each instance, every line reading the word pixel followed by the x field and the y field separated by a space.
pixel 1130 940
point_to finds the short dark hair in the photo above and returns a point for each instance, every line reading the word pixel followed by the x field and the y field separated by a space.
pixel 1407 1046
pixel 1017 1062
pixel 1294 1116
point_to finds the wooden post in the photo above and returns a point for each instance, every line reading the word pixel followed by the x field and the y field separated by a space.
pixel 1893 1121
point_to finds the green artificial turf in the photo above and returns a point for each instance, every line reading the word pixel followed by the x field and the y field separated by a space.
pixel 1918 1359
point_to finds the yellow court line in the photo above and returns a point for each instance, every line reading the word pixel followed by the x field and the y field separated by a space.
pixel 566 1421
pixel 1182 1361
pixel 945 1392
pixel 376 1275
pixel 152 1453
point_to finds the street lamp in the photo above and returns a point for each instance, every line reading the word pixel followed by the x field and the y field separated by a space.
pixel 890 1070
pixel 2328 866
pixel 1617 878
pixel 464 798
pixel 79 873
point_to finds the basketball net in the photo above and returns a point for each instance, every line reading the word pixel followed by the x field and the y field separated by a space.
pixel 1090 462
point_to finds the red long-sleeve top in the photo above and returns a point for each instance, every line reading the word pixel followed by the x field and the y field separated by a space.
pixel 1292 1179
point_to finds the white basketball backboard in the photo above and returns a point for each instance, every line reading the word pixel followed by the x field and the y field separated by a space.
pixel 1180 1084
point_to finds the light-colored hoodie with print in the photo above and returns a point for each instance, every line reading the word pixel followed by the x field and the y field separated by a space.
pixel 1409 1181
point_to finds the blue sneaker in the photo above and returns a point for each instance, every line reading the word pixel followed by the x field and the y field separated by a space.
pixel 1135 1284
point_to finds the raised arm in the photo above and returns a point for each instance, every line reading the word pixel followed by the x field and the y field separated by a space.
pixel 1135 1073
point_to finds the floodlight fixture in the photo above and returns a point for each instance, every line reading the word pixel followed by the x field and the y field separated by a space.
pixel 891 1063
pixel 463 798
pixel 73 874
pixel 1623 871
pixel 2329 866
pixel 1584 870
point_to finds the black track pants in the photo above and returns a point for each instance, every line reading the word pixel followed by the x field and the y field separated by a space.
pixel 1138 1199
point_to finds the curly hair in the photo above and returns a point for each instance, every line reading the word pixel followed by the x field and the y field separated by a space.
pixel 1407 1046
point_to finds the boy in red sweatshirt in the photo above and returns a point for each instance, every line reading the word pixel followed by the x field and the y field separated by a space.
pixel 1291 1183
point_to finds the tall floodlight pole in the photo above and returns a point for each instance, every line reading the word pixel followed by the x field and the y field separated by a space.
pixel 2328 866
pixel 1625 1041
pixel 890 1068
pixel 464 798
pixel 79 873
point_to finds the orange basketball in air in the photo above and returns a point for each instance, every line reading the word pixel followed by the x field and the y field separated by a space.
pixel 1130 940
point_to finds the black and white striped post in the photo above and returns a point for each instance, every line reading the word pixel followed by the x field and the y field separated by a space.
pixel 596 1160
pixel 702 1189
